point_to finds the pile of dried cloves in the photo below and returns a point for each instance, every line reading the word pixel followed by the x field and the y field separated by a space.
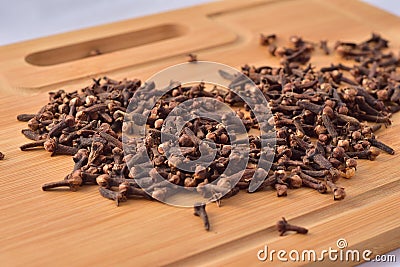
pixel 325 119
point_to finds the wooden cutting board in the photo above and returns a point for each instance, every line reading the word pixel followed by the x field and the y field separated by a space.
pixel 83 229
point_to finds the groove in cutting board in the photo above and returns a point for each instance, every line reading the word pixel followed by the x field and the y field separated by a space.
pixel 105 45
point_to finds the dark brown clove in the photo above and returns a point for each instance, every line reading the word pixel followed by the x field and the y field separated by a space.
pixel 283 226
pixel 200 210
pixel 338 192
pixel 35 144
pixel 73 182
pixel 381 146
pixel 112 195
pixel 25 117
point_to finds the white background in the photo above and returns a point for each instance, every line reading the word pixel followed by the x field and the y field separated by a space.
pixel 29 19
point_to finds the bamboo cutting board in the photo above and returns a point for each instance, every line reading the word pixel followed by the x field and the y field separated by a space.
pixel 83 229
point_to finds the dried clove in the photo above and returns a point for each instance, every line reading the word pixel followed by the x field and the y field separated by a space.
pixel 283 226
pixel 200 210
pixel 25 117
pixel 338 192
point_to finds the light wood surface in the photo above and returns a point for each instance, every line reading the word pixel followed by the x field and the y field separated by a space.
pixel 83 229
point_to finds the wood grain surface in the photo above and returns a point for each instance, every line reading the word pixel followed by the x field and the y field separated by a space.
pixel 83 229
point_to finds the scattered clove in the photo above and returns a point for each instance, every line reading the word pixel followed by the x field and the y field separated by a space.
pixel 200 210
pixel 283 226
